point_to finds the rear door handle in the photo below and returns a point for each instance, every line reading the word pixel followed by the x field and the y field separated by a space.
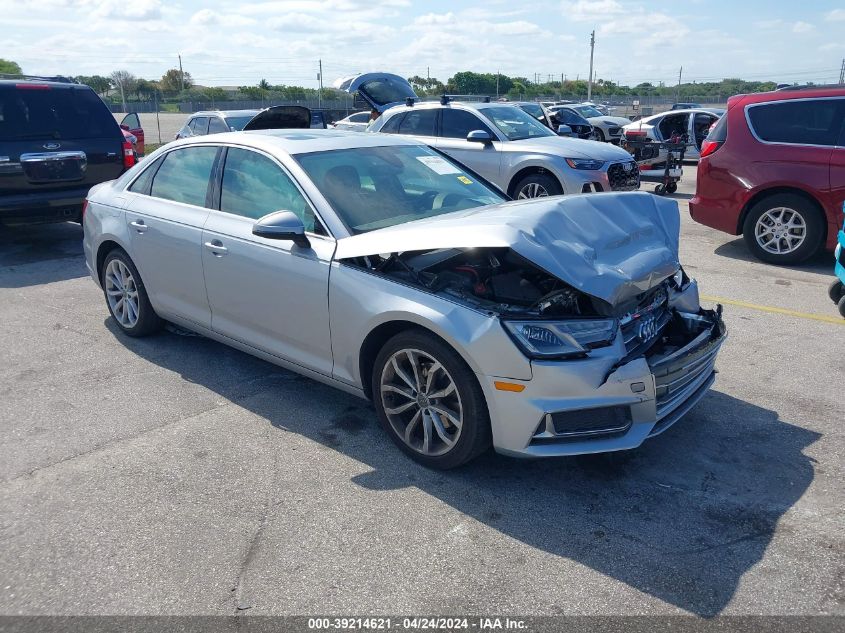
pixel 139 226
pixel 216 247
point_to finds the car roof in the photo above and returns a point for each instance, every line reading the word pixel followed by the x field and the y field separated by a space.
pixel 468 105
pixel 225 113
pixel 797 92
pixel 301 141
pixel 42 82
pixel 716 111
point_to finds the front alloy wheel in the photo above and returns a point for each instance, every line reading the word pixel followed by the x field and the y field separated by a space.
pixel 429 400
pixel 421 402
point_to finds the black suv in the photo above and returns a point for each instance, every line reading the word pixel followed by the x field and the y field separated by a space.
pixel 57 140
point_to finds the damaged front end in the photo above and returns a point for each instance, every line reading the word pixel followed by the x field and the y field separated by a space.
pixel 636 366
pixel 589 289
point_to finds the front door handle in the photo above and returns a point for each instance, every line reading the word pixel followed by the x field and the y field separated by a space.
pixel 216 247
pixel 139 226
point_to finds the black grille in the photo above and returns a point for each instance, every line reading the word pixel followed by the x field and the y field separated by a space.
pixel 614 131
pixel 622 178
pixel 646 324
pixel 605 421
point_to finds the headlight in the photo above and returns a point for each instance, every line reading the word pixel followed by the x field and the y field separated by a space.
pixel 584 163
pixel 561 339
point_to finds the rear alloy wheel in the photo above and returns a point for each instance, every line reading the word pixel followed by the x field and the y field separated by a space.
pixel 126 296
pixel 536 186
pixel 597 135
pixel 429 401
pixel 783 229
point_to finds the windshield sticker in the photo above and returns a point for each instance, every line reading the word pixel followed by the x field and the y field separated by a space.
pixel 465 180
pixel 438 165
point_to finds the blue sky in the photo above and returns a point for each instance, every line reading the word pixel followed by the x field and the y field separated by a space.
pixel 231 43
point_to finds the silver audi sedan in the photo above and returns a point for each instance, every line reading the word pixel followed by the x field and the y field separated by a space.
pixel 373 263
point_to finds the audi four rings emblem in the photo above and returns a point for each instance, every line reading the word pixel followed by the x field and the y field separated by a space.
pixel 627 167
pixel 647 328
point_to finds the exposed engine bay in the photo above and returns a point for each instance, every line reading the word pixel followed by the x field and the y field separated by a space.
pixel 492 279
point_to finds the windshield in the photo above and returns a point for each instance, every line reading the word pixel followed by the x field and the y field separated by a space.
pixel 515 123
pixel 587 111
pixel 374 187
pixel 237 123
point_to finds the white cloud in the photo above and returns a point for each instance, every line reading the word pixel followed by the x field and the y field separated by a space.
pixel 837 15
pixel 802 27
pixel 207 17
pixel 591 10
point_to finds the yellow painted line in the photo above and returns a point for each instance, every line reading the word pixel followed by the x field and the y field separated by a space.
pixel 794 313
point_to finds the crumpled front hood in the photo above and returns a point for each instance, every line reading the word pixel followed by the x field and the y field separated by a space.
pixel 610 245
pixel 568 147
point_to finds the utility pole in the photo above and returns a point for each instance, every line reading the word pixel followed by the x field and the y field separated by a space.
pixel 590 78
pixel 497 84
pixel 842 73
pixel 428 73
pixel 320 92
pixel 181 74
pixel 678 89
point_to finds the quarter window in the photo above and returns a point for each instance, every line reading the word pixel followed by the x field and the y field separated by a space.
pixel 811 122
pixel 418 122
pixel 253 186
pixel 184 175
pixel 143 182
pixel 391 126
pixel 459 123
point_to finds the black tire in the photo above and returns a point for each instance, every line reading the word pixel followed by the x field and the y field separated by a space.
pixel 841 306
pixel 148 321
pixel 672 187
pixel 813 221
pixel 475 434
pixel 546 182
pixel 599 135
pixel 660 190
pixel 836 291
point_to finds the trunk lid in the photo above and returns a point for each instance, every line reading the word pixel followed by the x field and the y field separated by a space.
pixel 380 90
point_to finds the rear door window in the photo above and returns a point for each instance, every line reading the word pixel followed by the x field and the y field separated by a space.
pixel 40 111
pixel 199 125
pixel 361 117
pixel 418 122
pixel 184 175
pixel 800 122
pixel 216 125
pixel 459 123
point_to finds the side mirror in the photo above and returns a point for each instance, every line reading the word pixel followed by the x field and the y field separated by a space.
pixel 564 130
pixel 479 136
pixel 124 127
pixel 282 225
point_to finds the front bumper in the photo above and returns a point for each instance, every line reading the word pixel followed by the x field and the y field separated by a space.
pixel 601 403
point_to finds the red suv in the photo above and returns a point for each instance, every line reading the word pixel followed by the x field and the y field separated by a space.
pixel 773 169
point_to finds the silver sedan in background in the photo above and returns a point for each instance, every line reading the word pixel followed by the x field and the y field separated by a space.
pixel 384 268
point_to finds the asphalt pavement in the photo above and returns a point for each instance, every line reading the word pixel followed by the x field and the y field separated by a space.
pixel 173 475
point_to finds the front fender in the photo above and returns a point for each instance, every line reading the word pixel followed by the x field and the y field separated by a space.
pixel 361 301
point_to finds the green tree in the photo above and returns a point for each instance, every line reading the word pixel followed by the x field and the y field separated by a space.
pixel 9 67
pixel 171 82
pixel 264 84
pixel 101 85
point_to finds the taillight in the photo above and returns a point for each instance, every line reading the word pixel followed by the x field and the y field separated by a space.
pixel 709 147
pixel 84 208
pixel 128 155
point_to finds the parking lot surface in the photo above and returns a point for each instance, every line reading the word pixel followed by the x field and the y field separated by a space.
pixel 173 475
